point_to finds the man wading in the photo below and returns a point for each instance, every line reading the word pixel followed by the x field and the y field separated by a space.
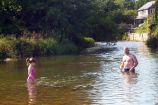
pixel 129 61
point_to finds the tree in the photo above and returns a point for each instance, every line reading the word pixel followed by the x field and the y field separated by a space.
pixel 156 11
pixel 66 18
pixel 9 9
pixel 140 3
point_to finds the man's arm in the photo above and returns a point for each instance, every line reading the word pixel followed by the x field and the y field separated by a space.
pixel 122 64
pixel 135 62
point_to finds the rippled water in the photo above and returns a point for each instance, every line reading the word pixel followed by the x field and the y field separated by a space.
pixel 83 80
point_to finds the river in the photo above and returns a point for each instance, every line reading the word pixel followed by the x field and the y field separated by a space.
pixel 91 79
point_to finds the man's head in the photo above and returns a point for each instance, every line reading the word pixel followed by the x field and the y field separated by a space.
pixel 126 50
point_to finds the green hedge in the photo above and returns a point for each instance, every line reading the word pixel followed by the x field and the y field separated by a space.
pixel 12 47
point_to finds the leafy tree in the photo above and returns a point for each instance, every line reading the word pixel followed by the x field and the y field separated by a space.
pixel 63 17
pixel 156 11
pixel 139 3
pixel 9 9
pixel 66 19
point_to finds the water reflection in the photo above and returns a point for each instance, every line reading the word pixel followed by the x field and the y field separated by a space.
pixel 129 93
pixel 32 92
pixel 130 78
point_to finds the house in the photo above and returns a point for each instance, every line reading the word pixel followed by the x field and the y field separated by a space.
pixel 143 12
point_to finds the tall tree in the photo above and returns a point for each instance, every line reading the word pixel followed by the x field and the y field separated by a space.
pixel 9 9
pixel 139 3
pixel 156 11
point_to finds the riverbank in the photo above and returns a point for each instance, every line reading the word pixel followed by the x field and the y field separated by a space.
pixel 11 47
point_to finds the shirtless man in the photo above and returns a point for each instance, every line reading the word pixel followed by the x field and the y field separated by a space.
pixel 129 61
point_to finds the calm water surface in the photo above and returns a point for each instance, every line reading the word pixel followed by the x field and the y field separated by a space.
pixel 83 80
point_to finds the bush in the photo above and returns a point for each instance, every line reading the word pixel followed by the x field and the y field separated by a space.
pixel 24 47
pixel 47 46
pixel 87 42
pixel 123 37
pixel 152 42
pixel 7 47
pixel 145 27
pixel 12 47
pixel 66 48
pixel 155 32
pixel 3 55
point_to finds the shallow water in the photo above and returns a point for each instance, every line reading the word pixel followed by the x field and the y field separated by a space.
pixel 83 80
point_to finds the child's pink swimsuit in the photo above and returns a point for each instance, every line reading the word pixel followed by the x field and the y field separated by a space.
pixel 31 74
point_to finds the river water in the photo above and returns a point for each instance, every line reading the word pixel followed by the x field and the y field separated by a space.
pixel 92 79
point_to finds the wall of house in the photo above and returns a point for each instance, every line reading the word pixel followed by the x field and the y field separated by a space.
pixel 151 11
pixel 138 36
pixel 143 13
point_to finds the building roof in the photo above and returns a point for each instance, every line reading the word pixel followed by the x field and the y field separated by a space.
pixel 147 5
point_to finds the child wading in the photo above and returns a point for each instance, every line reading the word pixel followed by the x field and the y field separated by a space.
pixel 31 69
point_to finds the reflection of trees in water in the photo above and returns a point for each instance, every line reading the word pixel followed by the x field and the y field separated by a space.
pixel 31 93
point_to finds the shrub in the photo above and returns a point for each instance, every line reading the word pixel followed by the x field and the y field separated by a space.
pixel 123 37
pixel 7 47
pixel 47 46
pixel 24 47
pixel 152 42
pixel 21 47
pixel 155 32
pixel 87 42
pixel 145 27
pixel 66 48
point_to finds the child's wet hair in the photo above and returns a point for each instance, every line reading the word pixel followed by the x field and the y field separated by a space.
pixel 30 60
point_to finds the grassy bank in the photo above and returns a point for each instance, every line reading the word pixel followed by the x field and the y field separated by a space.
pixel 11 47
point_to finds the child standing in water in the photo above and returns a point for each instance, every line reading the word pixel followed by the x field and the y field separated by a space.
pixel 31 69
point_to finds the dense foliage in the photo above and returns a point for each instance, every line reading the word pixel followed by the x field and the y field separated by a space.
pixel 78 23
pixel 153 41
pixel 139 3
pixel 66 19
pixel 21 47
pixel 156 12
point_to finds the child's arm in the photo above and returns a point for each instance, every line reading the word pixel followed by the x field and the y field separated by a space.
pixel 29 70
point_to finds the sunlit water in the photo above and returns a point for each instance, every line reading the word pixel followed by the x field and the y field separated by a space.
pixel 83 80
